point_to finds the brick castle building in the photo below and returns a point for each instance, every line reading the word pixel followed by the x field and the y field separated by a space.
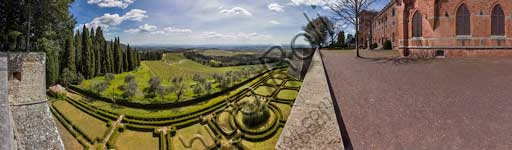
pixel 451 28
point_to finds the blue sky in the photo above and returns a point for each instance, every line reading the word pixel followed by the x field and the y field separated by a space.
pixel 196 22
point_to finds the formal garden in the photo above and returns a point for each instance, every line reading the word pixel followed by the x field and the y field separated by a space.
pixel 247 113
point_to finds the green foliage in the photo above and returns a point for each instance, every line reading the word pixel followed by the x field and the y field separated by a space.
pixel 130 88
pixel 109 77
pixel 69 60
pixel 374 45
pixel 387 45
pixel 52 59
pixel 154 85
pixel 341 39
pixel 99 87
pixel 319 28
pixel 68 76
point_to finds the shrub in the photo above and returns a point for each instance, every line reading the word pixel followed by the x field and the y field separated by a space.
pixel 374 45
pixel 130 88
pixel 99 87
pixel 109 77
pixel 387 45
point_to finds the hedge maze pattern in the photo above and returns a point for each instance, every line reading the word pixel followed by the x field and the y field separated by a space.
pixel 217 126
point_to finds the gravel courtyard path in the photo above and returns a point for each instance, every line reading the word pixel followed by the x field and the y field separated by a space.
pixel 441 104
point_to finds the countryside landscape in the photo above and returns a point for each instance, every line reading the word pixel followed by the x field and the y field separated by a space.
pixel 255 75
pixel 175 114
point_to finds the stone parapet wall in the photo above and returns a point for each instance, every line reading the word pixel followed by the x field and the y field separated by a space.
pixel 24 112
pixel 312 123
pixel 31 86
pixel 5 120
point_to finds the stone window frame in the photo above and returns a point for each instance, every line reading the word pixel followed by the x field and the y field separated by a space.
pixel 498 20
pixel 417 25
pixel 463 21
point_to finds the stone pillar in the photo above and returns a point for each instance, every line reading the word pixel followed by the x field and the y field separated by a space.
pixel 299 66
pixel 5 122
pixel 31 121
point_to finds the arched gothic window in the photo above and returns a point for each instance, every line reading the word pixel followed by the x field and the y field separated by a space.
pixel 416 25
pixel 497 21
pixel 463 21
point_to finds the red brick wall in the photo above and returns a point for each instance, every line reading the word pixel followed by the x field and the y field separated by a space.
pixel 384 26
pixel 439 28
pixel 365 26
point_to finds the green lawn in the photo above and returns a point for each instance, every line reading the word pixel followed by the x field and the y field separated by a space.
pixel 169 112
pixel 93 128
pixel 287 94
pixel 285 109
pixel 274 81
pixel 67 138
pixel 223 121
pixel 293 84
pixel 130 139
pixel 188 133
pixel 135 140
pixel 265 90
pixel 280 76
pixel 173 65
pixel 264 145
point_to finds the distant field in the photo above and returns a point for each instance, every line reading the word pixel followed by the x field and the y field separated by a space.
pixel 172 65
pixel 226 53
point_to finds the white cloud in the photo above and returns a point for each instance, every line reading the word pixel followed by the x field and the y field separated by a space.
pixel 111 3
pixel 176 30
pixel 143 28
pixel 147 28
pixel 135 14
pixel 234 36
pixel 108 20
pixel 308 2
pixel 236 11
pixel 274 22
pixel 275 7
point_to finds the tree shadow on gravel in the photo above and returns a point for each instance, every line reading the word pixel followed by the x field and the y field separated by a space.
pixel 397 60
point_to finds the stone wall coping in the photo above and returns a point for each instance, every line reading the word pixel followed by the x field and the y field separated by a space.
pixel 312 123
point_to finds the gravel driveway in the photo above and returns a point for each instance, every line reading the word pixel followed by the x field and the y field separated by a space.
pixel 439 104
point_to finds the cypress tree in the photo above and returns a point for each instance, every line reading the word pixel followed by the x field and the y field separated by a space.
pixel 106 59
pixel 128 63
pixel 116 56
pixel 78 48
pixel 121 56
pixel 112 57
pixel 87 54
pixel 69 55
pixel 99 52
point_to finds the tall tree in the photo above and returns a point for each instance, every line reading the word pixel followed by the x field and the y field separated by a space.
pixel 341 38
pixel 128 58
pixel 319 28
pixel 69 56
pixel 118 57
pixel 98 44
pixel 349 11
pixel 78 48
pixel 87 55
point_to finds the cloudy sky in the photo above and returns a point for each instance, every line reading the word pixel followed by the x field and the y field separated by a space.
pixel 196 22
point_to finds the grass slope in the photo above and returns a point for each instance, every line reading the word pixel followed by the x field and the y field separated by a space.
pixel 134 140
pixel 95 128
pixel 172 65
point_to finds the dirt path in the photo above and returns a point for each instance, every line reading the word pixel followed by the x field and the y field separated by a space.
pixel 112 129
